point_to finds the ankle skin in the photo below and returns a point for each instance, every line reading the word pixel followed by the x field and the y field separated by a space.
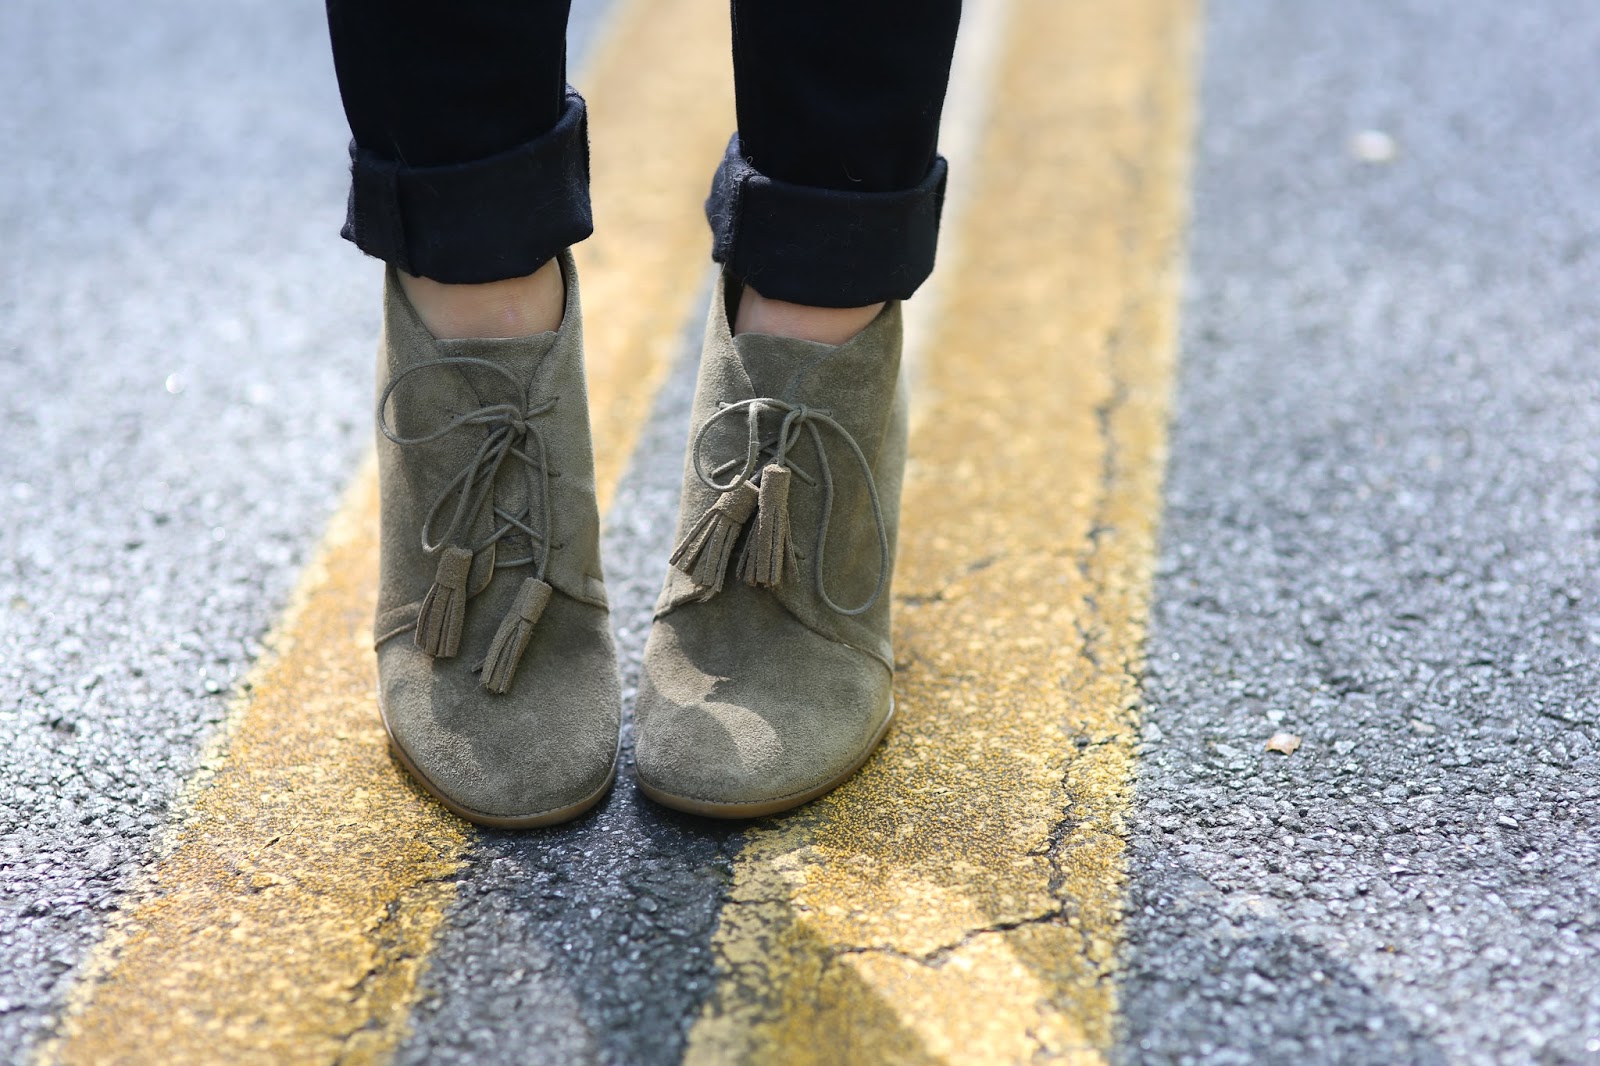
pixel 780 318
pixel 515 307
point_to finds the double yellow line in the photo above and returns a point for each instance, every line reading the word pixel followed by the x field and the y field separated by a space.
pixel 959 901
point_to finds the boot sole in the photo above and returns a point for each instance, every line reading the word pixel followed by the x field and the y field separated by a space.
pixel 761 808
pixel 494 821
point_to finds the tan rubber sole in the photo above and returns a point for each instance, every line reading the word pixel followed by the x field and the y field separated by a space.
pixel 763 808
pixel 495 821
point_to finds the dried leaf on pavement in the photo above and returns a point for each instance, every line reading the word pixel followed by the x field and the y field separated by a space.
pixel 1287 743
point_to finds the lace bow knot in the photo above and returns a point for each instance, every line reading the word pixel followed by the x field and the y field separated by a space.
pixel 748 487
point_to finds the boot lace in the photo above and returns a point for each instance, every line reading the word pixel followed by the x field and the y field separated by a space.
pixel 512 435
pixel 758 484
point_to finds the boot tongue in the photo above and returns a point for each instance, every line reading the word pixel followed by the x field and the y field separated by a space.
pixel 853 381
pixel 520 356
pixel 524 380
pixel 780 366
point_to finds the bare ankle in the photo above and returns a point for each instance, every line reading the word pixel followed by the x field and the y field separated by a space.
pixel 827 325
pixel 516 307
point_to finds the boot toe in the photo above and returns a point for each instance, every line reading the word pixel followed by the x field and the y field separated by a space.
pixel 542 752
pixel 756 716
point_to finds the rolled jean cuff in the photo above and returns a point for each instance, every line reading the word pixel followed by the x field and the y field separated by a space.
pixel 500 217
pixel 823 247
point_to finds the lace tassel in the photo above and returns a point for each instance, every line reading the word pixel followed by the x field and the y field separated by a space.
pixel 444 609
pixel 769 553
pixel 704 552
pixel 511 639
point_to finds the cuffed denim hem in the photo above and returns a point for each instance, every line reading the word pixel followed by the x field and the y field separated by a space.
pixel 823 247
pixel 491 219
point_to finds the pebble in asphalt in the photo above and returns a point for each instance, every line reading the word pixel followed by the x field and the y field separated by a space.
pixel 1382 534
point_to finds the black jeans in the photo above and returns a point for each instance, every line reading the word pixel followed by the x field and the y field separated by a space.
pixel 469 161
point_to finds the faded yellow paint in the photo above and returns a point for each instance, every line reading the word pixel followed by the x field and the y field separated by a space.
pixel 660 113
pixel 960 900
pixel 290 914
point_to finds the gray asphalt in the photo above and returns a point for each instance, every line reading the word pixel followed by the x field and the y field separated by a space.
pixel 184 363
pixel 1381 534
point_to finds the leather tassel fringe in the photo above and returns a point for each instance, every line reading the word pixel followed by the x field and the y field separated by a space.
pixel 769 554
pixel 511 639
pixel 705 550
pixel 444 608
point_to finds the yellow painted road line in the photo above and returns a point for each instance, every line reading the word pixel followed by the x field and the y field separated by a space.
pixel 960 900
pixel 290 914
pixel 966 116
pixel 661 111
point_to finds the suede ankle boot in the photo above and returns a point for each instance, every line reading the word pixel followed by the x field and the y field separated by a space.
pixel 497 678
pixel 768 672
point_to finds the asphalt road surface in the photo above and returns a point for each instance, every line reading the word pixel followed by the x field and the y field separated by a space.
pixel 1380 535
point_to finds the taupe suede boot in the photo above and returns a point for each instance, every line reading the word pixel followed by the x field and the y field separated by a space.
pixel 768 672
pixel 497 679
